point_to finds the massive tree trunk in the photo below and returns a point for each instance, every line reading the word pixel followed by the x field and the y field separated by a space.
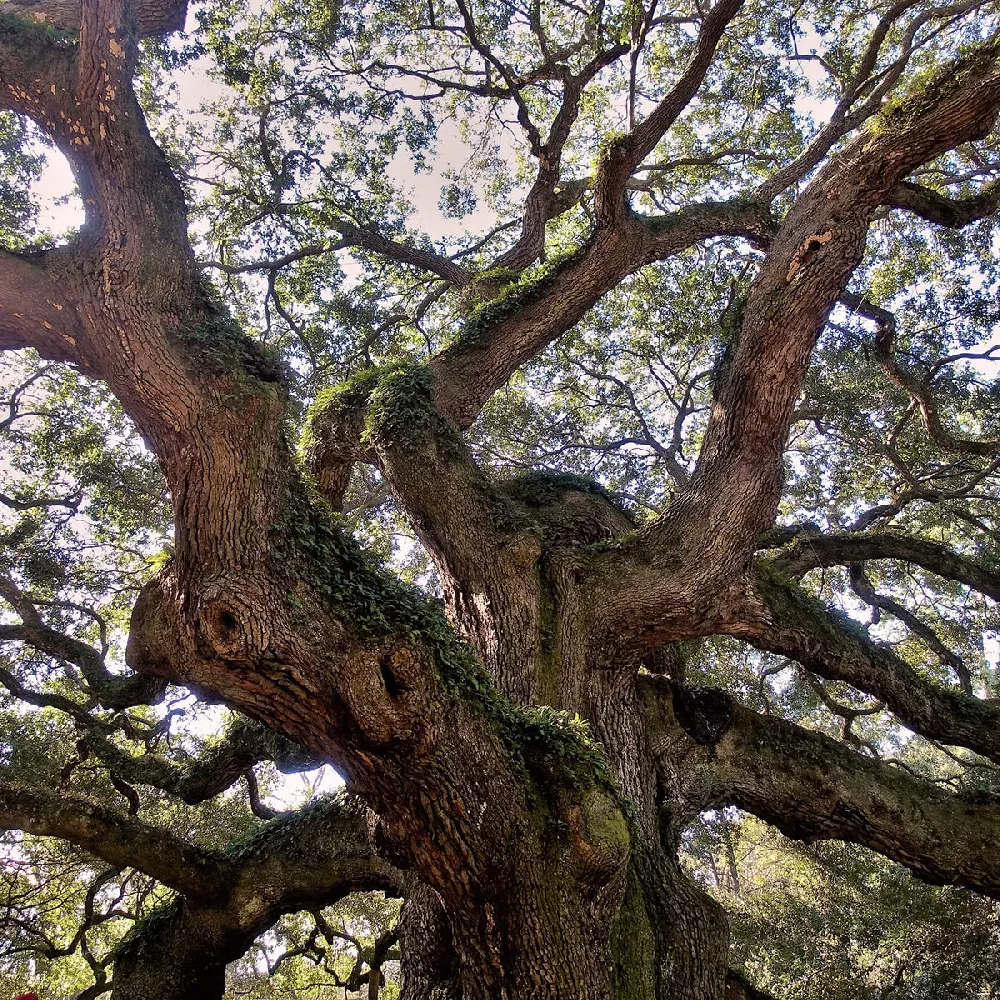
pixel 552 849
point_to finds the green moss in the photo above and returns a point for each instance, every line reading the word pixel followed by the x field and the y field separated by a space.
pixel 780 590
pixel 552 745
pixel 529 288
pixel 395 399
pixel 219 346
pixel 548 653
pixel 613 146
pixel 552 742
pixel 633 945
pixel 930 89
pixel 605 822
pixel 147 932
pixel 334 401
pixel 287 829
pixel 400 410
pixel 34 36
pixel 542 489
pixel 348 394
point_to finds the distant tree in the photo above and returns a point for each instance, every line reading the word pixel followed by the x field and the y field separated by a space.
pixel 832 921
pixel 657 477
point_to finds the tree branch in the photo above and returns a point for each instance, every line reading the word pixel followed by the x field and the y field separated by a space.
pixel 820 243
pixel 864 589
pixel 213 771
pixel 117 839
pixel 917 389
pixel 954 213
pixel 304 861
pixel 817 550
pixel 623 155
pixel 542 202
pixel 868 86
pixel 788 621
pixel 813 787
pixel 509 331
pixel 109 689
pixel 35 309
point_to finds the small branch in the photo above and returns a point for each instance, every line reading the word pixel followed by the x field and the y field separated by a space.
pixel 954 213
pixel 258 808
pixel 862 586
pixel 117 839
pixel 625 154
pixel 917 389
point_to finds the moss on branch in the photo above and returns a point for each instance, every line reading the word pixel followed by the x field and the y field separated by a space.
pixel 218 346
pixel 931 88
pixel 33 36
pixel 529 288
pixel 318 551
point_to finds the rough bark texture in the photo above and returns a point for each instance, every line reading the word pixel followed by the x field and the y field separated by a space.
pixel 553 853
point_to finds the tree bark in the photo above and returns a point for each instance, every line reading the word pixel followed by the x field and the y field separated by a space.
pixel 552 848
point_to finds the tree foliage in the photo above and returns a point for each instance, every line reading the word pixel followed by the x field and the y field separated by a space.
pixel 575 424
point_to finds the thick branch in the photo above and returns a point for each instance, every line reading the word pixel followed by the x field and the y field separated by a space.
pixel 212 772
pixel 363 239
pixel 35 310
pixel 302 862
pixel 812 787
pixel 819 245
pixel 625 154
pixel 506 333
pixel 117 839
pixel 817 550
pixel 954 213
pixel 789 622
pixel 458 513
pixel 308 859
pixel 425 260
pixel 644 590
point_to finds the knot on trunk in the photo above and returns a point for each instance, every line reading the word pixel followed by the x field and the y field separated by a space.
pixel 152 645
pixel 599 838
pixel 235 621
pixel 388 690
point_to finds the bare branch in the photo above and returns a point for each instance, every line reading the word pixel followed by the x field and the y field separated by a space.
pixel 816 550
pixel 109 689
pixel 212 771
pixel 862 586
pixel 918 389
pixel 954 213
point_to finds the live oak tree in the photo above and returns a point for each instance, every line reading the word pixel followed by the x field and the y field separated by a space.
pixel 739 264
